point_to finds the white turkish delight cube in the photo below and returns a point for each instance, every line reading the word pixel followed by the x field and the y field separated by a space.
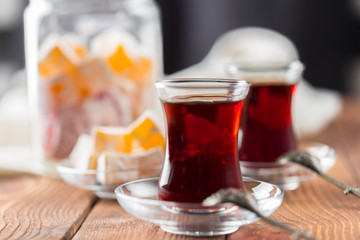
pixel 123 167
pixel 108 108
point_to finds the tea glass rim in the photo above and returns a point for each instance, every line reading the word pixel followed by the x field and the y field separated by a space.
pixel 233 67
pixel 191 83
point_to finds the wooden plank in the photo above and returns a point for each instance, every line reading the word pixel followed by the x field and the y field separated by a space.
pixel 109 221
pixel 316 206
pixel 322 209
pixel 33 207
pixel 349 121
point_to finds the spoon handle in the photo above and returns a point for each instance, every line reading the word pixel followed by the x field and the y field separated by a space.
pixel 247 201
pixel 347 189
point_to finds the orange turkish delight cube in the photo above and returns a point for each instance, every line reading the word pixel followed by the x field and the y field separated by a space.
pixel 61 91
pixel 91 78
pixel 82 82
pixel 111 139
pixel 148 134
pixel 146 130
pixel 140 71
pixel 58 55
pixel 119 60
pixel 123 54
pixel 55 63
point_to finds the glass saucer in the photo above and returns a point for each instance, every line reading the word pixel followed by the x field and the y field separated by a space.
pixel 140 198
pixel 289 176
pixel 102 183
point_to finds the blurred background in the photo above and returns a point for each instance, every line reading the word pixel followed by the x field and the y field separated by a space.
pixel 326 33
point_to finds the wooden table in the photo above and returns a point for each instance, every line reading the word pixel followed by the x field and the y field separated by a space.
pixel 33 207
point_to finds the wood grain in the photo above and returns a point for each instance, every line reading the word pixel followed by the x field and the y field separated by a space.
pixel 316 206
pixel 33 207
pixel 109 221
pixel 350 135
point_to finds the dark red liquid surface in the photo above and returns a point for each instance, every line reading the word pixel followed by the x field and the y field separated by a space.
pixel 266 123
pixel 202 150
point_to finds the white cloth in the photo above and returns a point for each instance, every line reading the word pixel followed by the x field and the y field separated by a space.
pixel 15 134
pixel 313 108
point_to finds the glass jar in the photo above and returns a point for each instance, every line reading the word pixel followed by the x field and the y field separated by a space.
pixel 89 63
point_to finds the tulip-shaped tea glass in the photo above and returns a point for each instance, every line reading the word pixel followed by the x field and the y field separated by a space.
pixel 202 119
pixel 266 128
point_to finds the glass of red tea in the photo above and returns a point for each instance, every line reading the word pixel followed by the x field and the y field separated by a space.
pixel 202 124
pixel 266 129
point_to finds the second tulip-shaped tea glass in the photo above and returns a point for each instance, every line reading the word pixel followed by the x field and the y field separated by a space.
pixel 202 119
pixel 266 129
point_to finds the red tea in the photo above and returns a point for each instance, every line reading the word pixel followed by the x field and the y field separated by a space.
pixel 266 123
pixel 202 149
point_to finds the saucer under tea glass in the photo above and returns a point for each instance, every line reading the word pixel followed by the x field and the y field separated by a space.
pixel 141 199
